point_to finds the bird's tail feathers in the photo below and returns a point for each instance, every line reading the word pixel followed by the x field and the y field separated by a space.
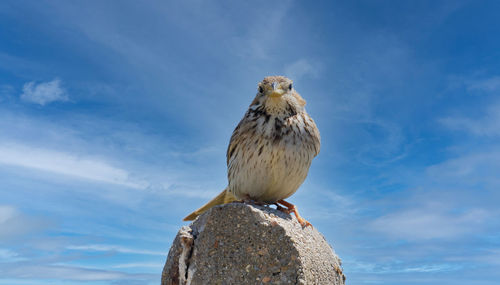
pixel 223 198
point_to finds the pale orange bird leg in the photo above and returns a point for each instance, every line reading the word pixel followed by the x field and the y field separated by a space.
pixel 292 209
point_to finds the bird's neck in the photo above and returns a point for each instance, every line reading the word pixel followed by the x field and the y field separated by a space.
pixel 277 107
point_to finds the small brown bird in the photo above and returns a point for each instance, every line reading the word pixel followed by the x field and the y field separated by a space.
pixel 271 149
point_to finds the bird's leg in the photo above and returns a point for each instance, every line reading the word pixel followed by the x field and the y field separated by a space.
pixel 292 209
pixel 279 208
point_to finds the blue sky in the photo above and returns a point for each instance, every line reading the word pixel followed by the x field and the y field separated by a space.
pixel 115 117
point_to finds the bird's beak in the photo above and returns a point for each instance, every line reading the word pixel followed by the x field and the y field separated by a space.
pixel 277 90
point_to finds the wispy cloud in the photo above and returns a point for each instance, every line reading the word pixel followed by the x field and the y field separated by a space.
pixel 301 68
pixel 469 168
pixel 432 268
pixel 326 204
pixel 14 224
pixel 6 254
pixel 66 164
pixel 382 142
pixel 5 91
pixel 375 99
pixel 488 84
pixel 395 266
pixel 6 213
pixel 486 125
pixel 263 33
pixel 139 265
pixel 429 222
pixel 114 248
pixel 491 256
pixel 44 93
pixel 28 271
pixel 126 156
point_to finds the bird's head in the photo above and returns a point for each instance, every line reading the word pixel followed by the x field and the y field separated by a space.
pixel 275 86
pixel 277 95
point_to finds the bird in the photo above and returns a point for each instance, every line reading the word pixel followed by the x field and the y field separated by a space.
pixel 270 151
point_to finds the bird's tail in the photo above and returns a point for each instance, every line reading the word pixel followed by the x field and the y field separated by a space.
pixel 223 198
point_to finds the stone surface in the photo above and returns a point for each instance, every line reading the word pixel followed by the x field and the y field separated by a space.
pixel 245 244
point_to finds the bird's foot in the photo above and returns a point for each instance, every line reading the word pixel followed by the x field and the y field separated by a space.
pixel 291 208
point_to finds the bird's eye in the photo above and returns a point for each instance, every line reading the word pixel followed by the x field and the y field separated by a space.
pixel 261 89
pixel 290 86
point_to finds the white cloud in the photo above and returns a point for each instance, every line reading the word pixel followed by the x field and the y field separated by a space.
pixel 61 272
pixel 7 213
pixel 139 265
pixel 487 125
pixel 301 68
pixel 326 204
pixel 431 222
pixel 63 148
pixel 491 256
pixel 395 266
pixel 382 143
pixel 5 92
pixel 263 34
pixel 114 248
pixel 66 164
pixel 14 224
pixel 472 168
pixel 481 127
pixel 7 254
pixel 432 268
pixel 488 84
pixel 44 93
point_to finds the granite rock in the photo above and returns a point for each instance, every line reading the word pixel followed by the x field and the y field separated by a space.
pixel 245 244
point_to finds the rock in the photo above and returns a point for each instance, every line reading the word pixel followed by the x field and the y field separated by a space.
pixel 244 244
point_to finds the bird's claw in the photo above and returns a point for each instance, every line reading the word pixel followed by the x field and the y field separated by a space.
pixel 292 209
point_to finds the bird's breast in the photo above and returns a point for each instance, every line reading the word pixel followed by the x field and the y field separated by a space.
pixel 273 162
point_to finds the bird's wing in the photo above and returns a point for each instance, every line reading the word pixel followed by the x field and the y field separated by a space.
pixel 235 140
pixel 313 130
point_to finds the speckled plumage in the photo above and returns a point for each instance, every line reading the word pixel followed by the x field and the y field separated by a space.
pixel 271 149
